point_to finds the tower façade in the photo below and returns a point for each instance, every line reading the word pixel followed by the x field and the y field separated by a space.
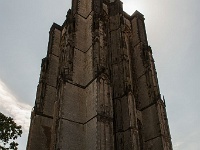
pixel 98 86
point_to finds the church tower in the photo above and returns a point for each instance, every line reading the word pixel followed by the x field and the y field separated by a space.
pixel 98 87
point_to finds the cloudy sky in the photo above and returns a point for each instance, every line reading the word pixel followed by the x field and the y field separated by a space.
pixel 173 33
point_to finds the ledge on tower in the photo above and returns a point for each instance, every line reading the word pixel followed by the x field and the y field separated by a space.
pixel 137 14
pixel 55 26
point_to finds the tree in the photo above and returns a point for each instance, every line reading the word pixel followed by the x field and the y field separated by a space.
pixel 9 132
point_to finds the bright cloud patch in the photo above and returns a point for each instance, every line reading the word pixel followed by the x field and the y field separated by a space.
pixel 10 106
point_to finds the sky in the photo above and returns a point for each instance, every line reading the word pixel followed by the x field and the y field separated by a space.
pixel 173 33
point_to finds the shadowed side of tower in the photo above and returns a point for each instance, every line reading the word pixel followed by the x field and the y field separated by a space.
pixel 42 114
pixel 98 87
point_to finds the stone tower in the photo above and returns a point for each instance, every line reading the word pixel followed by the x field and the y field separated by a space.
pixel 98 88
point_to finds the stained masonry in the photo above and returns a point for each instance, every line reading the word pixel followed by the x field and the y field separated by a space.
pixel 98 87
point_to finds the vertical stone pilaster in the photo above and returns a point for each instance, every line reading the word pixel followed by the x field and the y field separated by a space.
pixel 147 90
pixel 125 123
pixel 42 115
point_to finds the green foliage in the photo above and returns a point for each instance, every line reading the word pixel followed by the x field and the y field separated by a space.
pixel 9 131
